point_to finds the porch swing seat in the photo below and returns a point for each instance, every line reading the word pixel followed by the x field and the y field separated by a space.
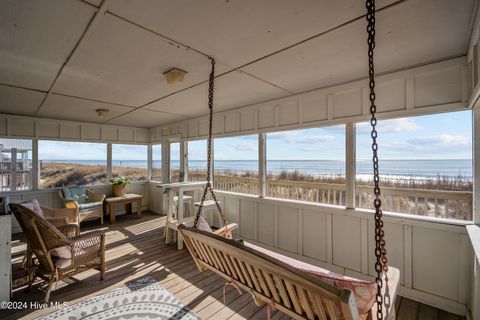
pixel 271 278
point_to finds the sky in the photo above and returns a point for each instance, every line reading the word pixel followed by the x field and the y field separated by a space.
pixel 442 136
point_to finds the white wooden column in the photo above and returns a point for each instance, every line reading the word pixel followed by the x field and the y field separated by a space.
pixel 35 165
pixel 109 161
pixel 149 161
pixel 476 165
pixel 166 161
pixel 212 164
pixel 183 161
pixel 262 165
pixel 13 169
pixel 350 165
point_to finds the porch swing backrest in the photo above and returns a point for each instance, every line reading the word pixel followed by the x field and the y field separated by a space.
pixel 270 280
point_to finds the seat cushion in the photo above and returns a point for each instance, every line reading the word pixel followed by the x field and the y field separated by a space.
pixel 34 206
pixel 364 291
pixel 89 206
pixel 75 194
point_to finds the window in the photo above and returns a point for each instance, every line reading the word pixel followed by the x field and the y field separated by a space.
pixel 307 165
pixel 64 164
pixel 157 162
pixel 425 165
pixel 197 160
pixel 236 164
pixel 129 161
pixel 175 162
pixel 15 164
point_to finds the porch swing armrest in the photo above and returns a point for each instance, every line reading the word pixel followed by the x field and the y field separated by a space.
pixel 393 285
pixel 230 226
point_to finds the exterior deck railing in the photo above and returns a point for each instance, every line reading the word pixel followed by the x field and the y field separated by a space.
pixel 433 203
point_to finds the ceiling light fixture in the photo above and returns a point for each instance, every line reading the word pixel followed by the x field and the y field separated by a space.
pixel 102 113
pixel 174 76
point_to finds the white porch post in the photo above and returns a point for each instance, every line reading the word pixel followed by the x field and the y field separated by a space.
pixel 149 161
pixel 350 165
pixel 13 169
pixel 109 161
pixel 35 165
pixel 476 165
pixel 166 161
pixel 262 165
pixel 183 161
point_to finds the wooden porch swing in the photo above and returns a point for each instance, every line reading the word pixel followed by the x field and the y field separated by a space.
pixel 299 290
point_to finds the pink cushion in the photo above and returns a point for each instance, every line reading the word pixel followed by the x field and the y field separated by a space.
pixel 64 252
pixel 364 291
pixel 34 206
pixel 203 225
pixel 62 256
pixel 62 263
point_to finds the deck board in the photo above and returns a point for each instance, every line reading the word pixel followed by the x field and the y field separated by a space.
pixel 135 249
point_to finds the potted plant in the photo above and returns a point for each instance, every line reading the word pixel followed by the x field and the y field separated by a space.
pixel 120 186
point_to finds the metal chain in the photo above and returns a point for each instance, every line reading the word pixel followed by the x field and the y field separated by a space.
pixel 381 263
pixel 208 186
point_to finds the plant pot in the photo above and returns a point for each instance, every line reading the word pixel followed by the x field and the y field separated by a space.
pixel 119 190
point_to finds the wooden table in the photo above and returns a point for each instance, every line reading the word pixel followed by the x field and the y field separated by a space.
pixel 126 200
pixel 179 188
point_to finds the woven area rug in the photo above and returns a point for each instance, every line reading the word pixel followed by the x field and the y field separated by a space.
pixel 140 299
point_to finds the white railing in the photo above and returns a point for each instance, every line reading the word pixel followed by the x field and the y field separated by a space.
pixel 433 203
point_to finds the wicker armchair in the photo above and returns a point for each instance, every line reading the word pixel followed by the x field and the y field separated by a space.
pixel 87 250
pixel 87 203
pixel 57 217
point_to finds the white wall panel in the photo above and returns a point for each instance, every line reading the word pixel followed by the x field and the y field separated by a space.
pixel 266 224
pixel 435 261
pixel 315 109
pixel 288 229
pixel 247 219
pixel 231 123
pixel 266 117
pixel 443 86
pixel 247 119
pixel 21 127
pixel 48 130
pixel 347 250
pixel 232 211
pixel 192 129
pixel 391 95
pixel 91 132
pixel 110 134
pixel 203 127
pixel 3 126
pixel 70 131
pixel 347 103
pixel 126 135
pixel 141 135
pixel 314 235
pixel 288 113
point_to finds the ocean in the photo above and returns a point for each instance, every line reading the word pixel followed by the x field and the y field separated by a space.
pixel 398 169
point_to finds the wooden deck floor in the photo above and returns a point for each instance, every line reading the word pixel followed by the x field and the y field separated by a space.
pixel 135 249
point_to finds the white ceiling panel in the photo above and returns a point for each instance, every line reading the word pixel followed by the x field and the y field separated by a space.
pixel 123 63
pixel 237 32
pixel 36 37
pixel 19 101
pixel 407 34
pixel 231 90
pixel 75 109
pixel 145 119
